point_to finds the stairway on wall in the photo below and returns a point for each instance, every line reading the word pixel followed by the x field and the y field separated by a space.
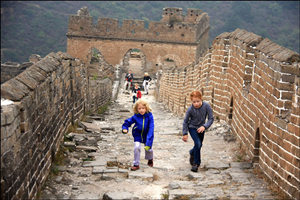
pixel 138 80
pixel 98 165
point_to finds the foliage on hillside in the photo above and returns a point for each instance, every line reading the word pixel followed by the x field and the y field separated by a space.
pixel 40 27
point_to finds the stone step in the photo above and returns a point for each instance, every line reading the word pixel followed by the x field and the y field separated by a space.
pixel 141 175
pixel 118 196
pixel 182 194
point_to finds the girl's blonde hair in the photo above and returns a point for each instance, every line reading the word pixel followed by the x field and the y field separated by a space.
pixel 146 74
pixel 144 103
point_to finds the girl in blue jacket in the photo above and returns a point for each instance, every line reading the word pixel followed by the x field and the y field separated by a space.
pixel 142 132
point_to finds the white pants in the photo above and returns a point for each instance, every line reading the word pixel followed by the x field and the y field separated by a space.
pixel 127 83
pixel 146 86
pixel 137 154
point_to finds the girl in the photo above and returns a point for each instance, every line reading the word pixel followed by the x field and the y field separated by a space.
pixel 136 92
pixel 194 122
pixel 142 132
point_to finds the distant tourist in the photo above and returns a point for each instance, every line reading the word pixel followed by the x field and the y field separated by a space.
pixel 128 80
pixel 142 132
pixel 136 92
pixel 146 82
pixel 194 122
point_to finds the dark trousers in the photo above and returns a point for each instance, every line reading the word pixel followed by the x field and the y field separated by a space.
pixel 198 140
pixel 134 98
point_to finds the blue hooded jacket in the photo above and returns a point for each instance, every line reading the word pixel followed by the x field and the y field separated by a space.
pixel 143 129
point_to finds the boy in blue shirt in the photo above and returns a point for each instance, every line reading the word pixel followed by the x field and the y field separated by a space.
pixel 194 122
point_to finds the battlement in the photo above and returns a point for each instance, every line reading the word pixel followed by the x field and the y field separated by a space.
pixel 174 14
pixel 173 27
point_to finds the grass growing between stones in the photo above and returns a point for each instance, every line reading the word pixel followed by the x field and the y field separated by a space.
pixel 73 128
pixel 59 159
pixel 165 196
pixel 103 108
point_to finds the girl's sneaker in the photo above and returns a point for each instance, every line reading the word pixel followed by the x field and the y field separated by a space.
pixel 150 163
pixel 135 167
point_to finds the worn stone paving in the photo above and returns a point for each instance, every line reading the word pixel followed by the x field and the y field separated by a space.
pixel 99 157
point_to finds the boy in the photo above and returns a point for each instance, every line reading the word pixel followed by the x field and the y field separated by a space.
pixel 128 80
pixel 194 122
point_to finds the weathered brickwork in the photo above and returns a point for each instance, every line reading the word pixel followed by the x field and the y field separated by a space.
pixel 47 98
pixel 11 69
pixel 175 36
pixel 253 84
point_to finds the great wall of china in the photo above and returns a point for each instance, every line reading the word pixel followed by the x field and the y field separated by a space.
pixel 250 82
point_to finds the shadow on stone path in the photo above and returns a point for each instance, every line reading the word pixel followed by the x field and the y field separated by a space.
pixel 99 158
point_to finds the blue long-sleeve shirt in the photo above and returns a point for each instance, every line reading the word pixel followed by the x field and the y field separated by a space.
pixel 195 117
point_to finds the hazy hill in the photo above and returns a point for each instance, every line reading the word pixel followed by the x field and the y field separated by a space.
pixel 40 27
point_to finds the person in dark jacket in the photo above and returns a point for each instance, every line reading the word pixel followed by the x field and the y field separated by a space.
pixel 128 80
pixel 142 132
pixel 194 122
pixel 146 82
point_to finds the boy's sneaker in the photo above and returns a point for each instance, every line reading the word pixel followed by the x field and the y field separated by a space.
pixel 194 168
pixel 191 159
pixel 150 163
pixel 135 167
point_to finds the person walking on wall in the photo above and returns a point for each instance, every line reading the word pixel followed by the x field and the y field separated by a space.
pixel 146 82
pixel 142 132
pixel 128 80
pixel 195 122
pixel 136 92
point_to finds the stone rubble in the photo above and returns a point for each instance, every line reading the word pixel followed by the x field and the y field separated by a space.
pixel 100 156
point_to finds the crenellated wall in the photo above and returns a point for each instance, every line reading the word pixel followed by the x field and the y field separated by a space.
pixel 186 37
pixel 46 98
pixel 253 84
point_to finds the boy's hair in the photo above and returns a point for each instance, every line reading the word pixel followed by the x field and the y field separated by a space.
pixel 196 94
pixel 144 103
pixel 136 84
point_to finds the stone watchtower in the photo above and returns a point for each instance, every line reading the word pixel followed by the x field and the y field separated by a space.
pixel 176 37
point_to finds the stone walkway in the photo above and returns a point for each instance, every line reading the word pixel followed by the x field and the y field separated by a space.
pixel 100 155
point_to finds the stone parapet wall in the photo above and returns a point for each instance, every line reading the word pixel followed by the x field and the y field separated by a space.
pixel 252 84
pixel 48 97
pixel 10 70
pixel 100 93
